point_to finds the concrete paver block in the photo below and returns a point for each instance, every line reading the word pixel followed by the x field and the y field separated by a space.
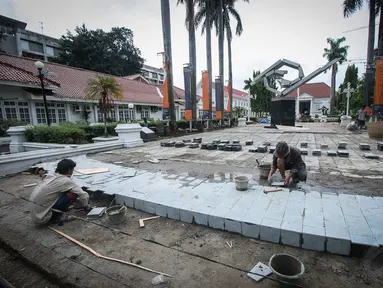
pixel 304 151
pixel 364 146
pixel 262 149
pixel 342 145
pixel 313 238
pixel 366 202
pixel 371 156
pixel 161 210
pixel 250 230
pixel 343 153
pixel 317 152
pixel 378 201
pixel 332 153
pixel 233 226
pixel 338 246
pixel 303 144
pixel 290 238
pixel 270 230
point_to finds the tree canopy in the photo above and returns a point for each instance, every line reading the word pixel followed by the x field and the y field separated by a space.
pixel 107 52
pixel 264 96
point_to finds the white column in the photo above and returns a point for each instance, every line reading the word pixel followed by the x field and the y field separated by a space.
pixel 33 112
pixel 297 112
pixel 248 108
pixel 311 106
pixel 17 134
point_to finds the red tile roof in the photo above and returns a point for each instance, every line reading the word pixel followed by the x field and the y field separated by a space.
pixel 72 81
pixel 236 92
pixel 317 90
pixel 179 94
pixel 15 74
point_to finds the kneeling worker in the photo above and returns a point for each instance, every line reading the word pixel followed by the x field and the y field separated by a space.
pixel 288 158
pixel 57 192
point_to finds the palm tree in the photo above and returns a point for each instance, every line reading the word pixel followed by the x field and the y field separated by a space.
pixel 335 51
pixel 167 36
pixel 214 17
pixel 229 10
pixel 349 8
pixel 190 26
pixel 204 17
pixel 105 89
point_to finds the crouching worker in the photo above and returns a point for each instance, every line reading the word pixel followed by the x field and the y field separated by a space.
pixel 288 158
pixel 56 194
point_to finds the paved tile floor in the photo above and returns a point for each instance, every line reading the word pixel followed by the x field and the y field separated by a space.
pixel 313 134
pixel 311 220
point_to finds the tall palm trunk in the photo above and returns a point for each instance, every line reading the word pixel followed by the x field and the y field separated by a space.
pixel 166 31
pixel 370 55
pixel 230 92
pixel 221 51
pixel 380 37
pixel 192 59
pixel 208 54
pixel 332 92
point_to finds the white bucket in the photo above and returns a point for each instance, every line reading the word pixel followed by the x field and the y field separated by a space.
pixel 241 183
pixel 264 171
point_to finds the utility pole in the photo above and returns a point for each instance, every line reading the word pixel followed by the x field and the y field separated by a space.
pixel 370 56
pixel 166 31
pixel 41 27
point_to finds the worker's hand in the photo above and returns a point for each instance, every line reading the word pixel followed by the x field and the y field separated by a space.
pixel 287 180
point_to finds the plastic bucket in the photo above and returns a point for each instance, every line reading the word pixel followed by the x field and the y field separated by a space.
pixel 264 171
pixel 241 183
pixel 286 267
pixel 115 215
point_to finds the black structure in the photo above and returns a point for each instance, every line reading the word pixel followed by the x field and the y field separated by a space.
pixel 148 135
pixel 283 111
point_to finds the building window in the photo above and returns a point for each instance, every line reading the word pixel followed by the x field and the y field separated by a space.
pixel 161 76
pixel 10 110
pixel 61 113
pixel 32 46
pixel 40 113
pixel 7 30
pixel 24 112
pixel 55 112
pixel 154 75
pixel 145 113
pixel 200 113
pixel 182 113
pixel 52 51
pixel 125 113
pixel 110 115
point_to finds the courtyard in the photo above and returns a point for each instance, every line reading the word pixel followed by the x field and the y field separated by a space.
pixel 191 252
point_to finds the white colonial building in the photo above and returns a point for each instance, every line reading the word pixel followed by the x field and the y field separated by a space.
pixel 312 96
pixel 21 95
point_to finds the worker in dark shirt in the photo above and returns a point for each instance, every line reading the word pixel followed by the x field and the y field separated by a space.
pixel 288 158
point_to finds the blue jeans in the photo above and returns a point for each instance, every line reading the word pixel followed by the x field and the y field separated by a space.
pixel 63 202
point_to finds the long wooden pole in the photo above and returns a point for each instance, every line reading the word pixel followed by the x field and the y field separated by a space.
pixel 104 257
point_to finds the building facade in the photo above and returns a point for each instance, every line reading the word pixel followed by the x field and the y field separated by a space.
pixel 240 99
pixel 21 42
pixel 153 75
pixel 21 95
pixel 312 97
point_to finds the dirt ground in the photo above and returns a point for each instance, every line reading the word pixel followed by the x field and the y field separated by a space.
pixel 322 181
pixel 195 255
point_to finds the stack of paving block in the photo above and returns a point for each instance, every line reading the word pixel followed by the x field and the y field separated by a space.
pixel 253 149
pixel 204 146
pixel 271 149
pixel 332 153
pixel 342 145
pixel 317 152
pixel 193 145
pixel 343 153
pixel 221 146
pixel 197 140
pixel 262 149
pixel 303 145
pixel 179 144
pixel 249 142
pixel 304 151
pixel 371 156
pixel 364 146
pixel 380 146
pixel 168 144
pixel 266 143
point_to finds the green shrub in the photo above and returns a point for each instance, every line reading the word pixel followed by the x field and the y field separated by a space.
pixel 5 124
pixel 98 131
pixel 56 134
pixel 182 124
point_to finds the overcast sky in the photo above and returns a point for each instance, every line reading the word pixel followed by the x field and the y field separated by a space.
pixel 273 29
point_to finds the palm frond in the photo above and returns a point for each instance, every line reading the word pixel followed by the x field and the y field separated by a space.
pixel 235 14
pixel 351 6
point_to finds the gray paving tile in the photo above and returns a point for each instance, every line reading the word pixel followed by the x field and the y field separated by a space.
pixel 270 230
pixel 313 238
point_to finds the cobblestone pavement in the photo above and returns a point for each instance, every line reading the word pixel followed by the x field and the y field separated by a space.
pixel 313 134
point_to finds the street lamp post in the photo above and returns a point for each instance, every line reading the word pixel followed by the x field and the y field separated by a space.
pixel 130 106
pixel 40 65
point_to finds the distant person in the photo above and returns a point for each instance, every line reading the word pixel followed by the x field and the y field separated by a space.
pixel 362 117
pixel 57 192
pixel 288 158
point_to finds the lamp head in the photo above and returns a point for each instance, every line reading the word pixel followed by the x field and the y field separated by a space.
pixel 39 65
pixel 130 106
